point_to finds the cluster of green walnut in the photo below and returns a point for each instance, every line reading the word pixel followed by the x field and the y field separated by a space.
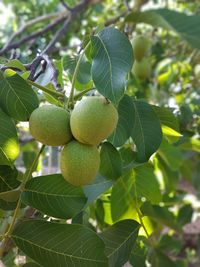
pixel 141 66
pixel 92 120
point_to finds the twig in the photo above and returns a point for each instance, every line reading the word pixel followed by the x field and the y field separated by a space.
pixel 82 93
pixel 55 94
pixel 71 16
pixel 58 35
pixel 27 176
pixel 126 3
pixel 140 215
pixel 31 23
pixel 33 35
pixel 54 72
pixel 33 67
pixel 71 96
pixel 43 68
pixel 65 5
pixel 115 19
pixel 3 68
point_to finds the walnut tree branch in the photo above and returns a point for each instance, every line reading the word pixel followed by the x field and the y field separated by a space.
pixel 65 5
pixel 31 23
pixel 59 34
pixel 54 72
pixel 43 69
pixel 33 35
pixel 68 19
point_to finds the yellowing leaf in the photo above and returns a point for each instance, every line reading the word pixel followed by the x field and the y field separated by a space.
pixel 148 226
pixel 171 134
pixel 191 144
pixel 11 148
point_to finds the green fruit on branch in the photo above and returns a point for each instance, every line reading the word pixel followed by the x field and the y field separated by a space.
pixel 79 163
pixel 141 46
pixel 50 125
pixel 142 69
pixel 93 120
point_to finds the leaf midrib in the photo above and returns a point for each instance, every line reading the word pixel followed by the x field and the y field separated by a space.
pixel 51 194
pixel 5 183
pixel 56 252
pixel 110 65
pixel 5 155
pixel 132 233
pixel 140 125
pixel 9 85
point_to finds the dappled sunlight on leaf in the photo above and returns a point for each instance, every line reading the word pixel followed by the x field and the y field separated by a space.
pixel 11 148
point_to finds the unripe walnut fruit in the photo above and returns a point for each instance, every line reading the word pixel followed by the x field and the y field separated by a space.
pixel 50 125
pixel 79 163
pixel 93 120
pixel 140 47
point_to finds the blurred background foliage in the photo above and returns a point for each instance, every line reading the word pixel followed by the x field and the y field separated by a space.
pixel 174 83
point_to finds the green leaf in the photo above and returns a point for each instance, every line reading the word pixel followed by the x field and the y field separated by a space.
pixel 11 196
pixel 31 264
pixel 119 240
pixel 160 214
pixel 170 177
pixel 125 122
pixel 54 244
pixel 167 118
pixel 7 205
pixel 59 68
pixel 146 183
pixel 150 17
pixel 185 214
pixel 171 135
pixel 83 78
pixel 17 98
pixel 187 26
pixel 170 125
pixel 170 244
pixel 128 191
pixel 191 144
pixel 96 188
pixel 159 259
pixel 128 156
pixel 111 163
pixel 146 133
pixel 103 211
pixel 55 197
pixel 139 253
pixel 25 75
pixel 15 63
pixel 28 158
pixel 50 98
pixel 9 184
pixel 123 204
pixel 171 155
pixel 9 147
pixel 112 56
pixel 3 60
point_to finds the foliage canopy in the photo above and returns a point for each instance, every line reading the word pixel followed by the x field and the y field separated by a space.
pixel 142 207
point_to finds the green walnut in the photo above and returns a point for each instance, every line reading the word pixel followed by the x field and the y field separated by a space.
pixel 142 69
pixel 79 163
pixel 50 125
pixel 93 120
pixel 140 47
